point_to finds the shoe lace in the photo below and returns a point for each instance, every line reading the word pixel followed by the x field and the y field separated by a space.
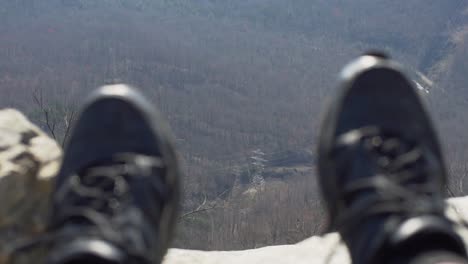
pixel 98 192
pixel 95 194
pixel 400 184
pixel 399 187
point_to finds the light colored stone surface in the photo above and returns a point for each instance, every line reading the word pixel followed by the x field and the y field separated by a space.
pixel 325 249
pixel 29 159
pixel 312 250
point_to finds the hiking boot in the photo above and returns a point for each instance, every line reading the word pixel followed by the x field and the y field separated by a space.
pixel 381 169
pixel 116 194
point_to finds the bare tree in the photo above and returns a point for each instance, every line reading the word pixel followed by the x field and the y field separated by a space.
pixel 57 119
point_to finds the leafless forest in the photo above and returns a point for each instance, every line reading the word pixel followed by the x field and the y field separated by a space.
pixel 242 84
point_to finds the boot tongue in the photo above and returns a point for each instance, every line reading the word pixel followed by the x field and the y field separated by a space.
pixel 361 174
pixel 359 166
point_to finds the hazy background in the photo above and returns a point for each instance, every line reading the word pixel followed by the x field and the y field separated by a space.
pixel 242 83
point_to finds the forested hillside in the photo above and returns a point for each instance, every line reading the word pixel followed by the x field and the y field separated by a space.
pixel 242 84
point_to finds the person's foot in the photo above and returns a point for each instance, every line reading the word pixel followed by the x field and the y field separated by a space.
pixel 116 194
pixel 381 169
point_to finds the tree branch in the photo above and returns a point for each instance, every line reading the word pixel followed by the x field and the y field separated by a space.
pixel 202 208
pixel 38 98
pixel 68 119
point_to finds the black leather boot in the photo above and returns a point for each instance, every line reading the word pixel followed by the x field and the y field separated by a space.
pixel 116 194
pixel 381 169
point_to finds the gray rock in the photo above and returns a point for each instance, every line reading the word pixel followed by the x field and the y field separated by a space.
pixel 28 161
